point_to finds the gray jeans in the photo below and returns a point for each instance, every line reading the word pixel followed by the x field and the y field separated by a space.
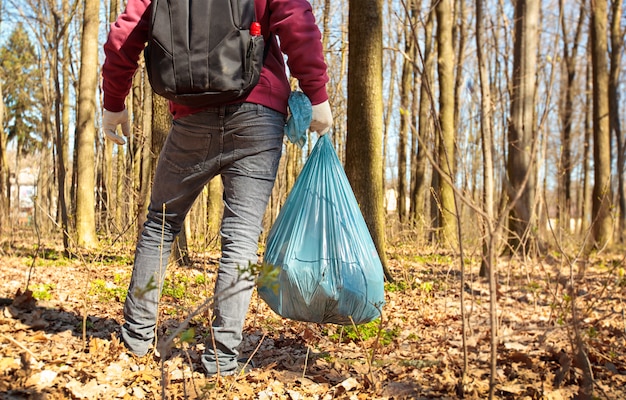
pixel 243 144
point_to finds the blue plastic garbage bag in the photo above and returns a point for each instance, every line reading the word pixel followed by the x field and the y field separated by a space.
pixel 327 269
pixel 299 120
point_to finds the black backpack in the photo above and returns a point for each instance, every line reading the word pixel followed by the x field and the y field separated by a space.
pixel 204 53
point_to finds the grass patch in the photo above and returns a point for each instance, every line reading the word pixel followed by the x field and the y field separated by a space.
pixel 364 332
pixel 398 286
pixel 107 291
pixel 43 291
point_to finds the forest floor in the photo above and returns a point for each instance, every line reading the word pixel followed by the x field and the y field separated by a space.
pixel 416 352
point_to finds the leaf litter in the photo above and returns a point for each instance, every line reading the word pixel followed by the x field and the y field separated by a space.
pixel 43 354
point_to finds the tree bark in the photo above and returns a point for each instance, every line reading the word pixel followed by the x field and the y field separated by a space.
pixel 66 108
pixel 365 112
pixel 215 209
pixel 522 129
pixel 486 130
pixel 146 152
pixel 447 133
pixel 4 170
pixel 487 267
pixel 406 88
pixel 601 216
pixel 425 124
pixel 59 143
pixel 617 47
pixel 86 132
pixel 586 195
pixel 568 94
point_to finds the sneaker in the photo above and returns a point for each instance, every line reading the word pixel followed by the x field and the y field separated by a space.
pixel 244 366
pixel 242 369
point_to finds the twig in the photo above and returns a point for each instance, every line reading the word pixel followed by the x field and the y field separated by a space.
pixel 18 344
pixel 306 360
pixel 256 349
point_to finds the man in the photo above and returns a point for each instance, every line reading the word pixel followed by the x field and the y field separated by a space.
pixel 242 142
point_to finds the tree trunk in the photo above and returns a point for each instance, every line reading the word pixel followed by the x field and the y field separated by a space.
pixel 180 250
pixel 487 267
pixel 86 132
pixel 460 32
pixel 586 195
pixel 147 155
pixel 4 170
pixel 389 110
pixel 568 94
pixel 215 209
pixel 486 129
pixel 601 215
pixel 161 125
pixel 406 88
pixel 617 47
pixel 522 130
pixel 65 103
pixel 59 143
pixel 446 153
pixel 424 127
pixel 365 112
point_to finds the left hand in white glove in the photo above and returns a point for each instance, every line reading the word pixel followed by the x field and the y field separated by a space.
pixel 322 118
pixel 110 121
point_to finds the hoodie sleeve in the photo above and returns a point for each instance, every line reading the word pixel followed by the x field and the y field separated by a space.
pixel 301 41
pixel 126 41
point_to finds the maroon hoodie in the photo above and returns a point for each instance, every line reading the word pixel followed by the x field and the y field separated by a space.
pixel 291 20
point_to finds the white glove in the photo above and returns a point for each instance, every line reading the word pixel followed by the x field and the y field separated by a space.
pixel 110 121
pixel 322 118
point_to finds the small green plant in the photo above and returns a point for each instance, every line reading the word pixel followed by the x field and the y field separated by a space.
pixel 175 288
pixel 366 331
pixel 412 337
pixel 267 275
pixel 107 291
pixel 533 287
pixel 427 287
pixel 327 357
pixel 42 291
pixel 200 280
pixel 419 363
pixel 592 332
pixel 150 286
pixel 398 286
pixel 431 259
pixel 118 279
pixel 50 262
pixel 188 335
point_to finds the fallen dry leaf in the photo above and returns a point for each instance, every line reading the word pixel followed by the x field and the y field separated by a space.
pixel 42 379
pixel 42 343
pixel 90 390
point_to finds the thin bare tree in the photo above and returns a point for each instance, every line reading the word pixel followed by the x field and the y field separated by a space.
pixel 407 81
pixel 568 93
pixel 617 48
pixel 488 266
pixel 425 122
pixel 85 130
pixel 601 206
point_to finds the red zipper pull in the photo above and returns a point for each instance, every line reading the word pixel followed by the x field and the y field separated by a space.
pixel 255 29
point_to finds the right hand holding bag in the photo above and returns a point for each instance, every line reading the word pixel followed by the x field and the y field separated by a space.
pixel 327 269
pixel 322 118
